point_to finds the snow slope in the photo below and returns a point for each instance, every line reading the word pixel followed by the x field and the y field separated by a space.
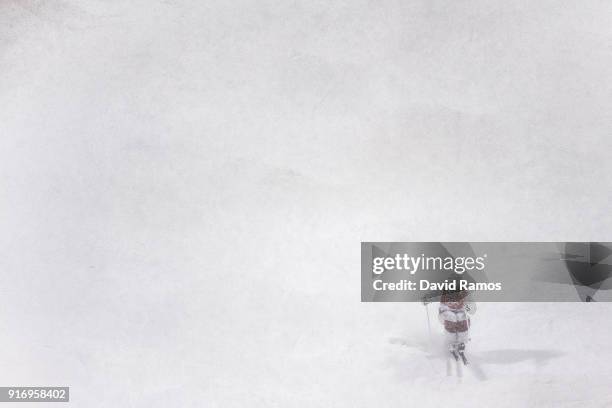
pixel 184 186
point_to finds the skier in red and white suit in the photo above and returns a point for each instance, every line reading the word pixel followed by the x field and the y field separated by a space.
pixel 454 313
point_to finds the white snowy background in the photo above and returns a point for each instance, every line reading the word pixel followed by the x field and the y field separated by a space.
pixel 184 186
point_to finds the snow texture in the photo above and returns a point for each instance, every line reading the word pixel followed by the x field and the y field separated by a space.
pixel 185 185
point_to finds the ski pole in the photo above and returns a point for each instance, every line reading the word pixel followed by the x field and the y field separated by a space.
pixel 428 322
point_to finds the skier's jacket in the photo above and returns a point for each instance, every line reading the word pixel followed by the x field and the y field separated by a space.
pixel 454 312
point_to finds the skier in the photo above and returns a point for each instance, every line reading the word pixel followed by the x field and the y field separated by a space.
pixel 454 313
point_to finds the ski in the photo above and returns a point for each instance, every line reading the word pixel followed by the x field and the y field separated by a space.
pixel 463 358
pixel 458 365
